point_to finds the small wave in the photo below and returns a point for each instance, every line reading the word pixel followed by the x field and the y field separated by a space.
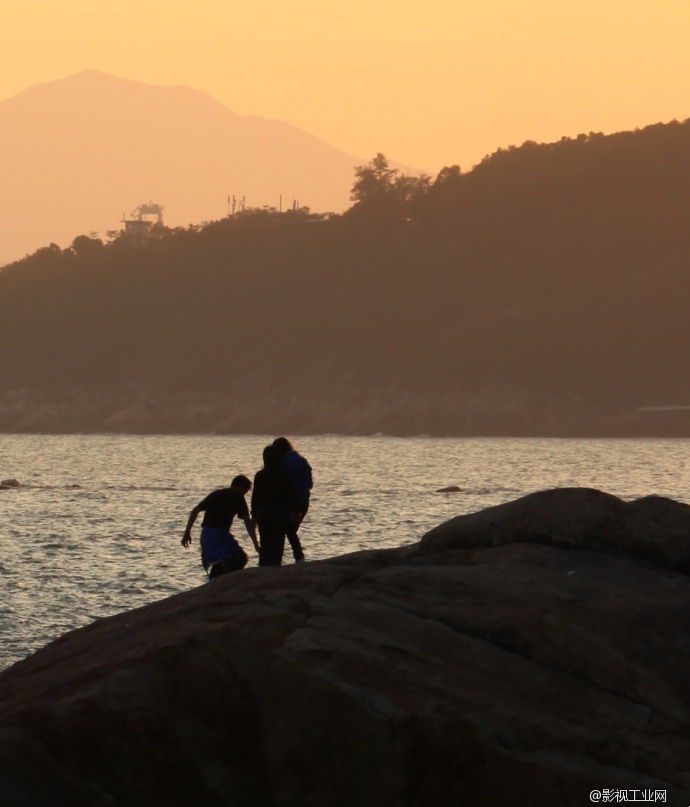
pixel 141 487
pixel 492 491
pixel 131 590
pixel 74 486
pixel 34 486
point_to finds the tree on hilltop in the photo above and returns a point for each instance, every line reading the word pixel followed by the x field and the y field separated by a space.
pixel 373 180
pixel 378 188
pixel 86 245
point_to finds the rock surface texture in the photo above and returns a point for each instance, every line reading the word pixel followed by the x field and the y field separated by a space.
pixel 524 655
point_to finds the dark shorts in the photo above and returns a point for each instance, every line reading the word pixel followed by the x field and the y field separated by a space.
pixel 220 552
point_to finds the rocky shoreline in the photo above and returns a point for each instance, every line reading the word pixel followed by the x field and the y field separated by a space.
pixel 526 654
pixel 347 412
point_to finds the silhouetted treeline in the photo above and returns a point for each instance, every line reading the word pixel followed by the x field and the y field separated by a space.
pixel 553 276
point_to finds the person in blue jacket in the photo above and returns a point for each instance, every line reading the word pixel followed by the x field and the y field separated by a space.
pixel 302 482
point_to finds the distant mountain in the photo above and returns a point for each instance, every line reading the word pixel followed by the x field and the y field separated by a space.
pixel 78 153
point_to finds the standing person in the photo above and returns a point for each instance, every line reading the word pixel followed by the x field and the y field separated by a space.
pixel 302 483
pixel 220 552
pixel 272 500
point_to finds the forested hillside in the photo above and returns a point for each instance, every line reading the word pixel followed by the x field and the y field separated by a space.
pixel 545 291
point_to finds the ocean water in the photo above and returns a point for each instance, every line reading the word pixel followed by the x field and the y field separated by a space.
pixel 94 528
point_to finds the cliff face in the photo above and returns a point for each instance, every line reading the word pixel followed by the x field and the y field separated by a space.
pixel 527 654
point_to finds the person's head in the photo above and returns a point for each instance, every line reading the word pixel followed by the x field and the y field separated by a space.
pixel 242 484
pixel 283 445
pixel 272 458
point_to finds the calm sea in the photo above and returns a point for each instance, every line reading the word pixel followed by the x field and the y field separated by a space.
pixel 95 527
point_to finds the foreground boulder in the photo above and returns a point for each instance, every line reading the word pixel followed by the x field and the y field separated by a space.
pixel 524 655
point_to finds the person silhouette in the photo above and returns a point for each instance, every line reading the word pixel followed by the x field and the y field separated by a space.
pixel 220 552
pixel 272 500
pixel 302 482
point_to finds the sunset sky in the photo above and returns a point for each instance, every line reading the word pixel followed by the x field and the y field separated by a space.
pixel 429 84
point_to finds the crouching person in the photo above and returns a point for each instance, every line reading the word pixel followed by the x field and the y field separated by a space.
pixel 220 552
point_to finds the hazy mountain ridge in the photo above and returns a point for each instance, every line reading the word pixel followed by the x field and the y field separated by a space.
pixel 77 153
pixel 543 292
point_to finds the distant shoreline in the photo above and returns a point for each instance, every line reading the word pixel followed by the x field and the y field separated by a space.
pixel 365 414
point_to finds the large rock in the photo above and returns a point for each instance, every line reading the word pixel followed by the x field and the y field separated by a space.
pixel 525 655
pixel 653 528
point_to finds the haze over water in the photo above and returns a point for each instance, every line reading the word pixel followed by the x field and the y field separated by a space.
pixel 95 527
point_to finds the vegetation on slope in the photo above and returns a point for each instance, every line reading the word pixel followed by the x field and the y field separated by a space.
pixel 549 275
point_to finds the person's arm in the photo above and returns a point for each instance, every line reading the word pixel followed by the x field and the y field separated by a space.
pixel 187 537
pixel 250 524
pixel 255 502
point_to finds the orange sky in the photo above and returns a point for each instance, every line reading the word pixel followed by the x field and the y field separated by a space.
pixel 429 84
